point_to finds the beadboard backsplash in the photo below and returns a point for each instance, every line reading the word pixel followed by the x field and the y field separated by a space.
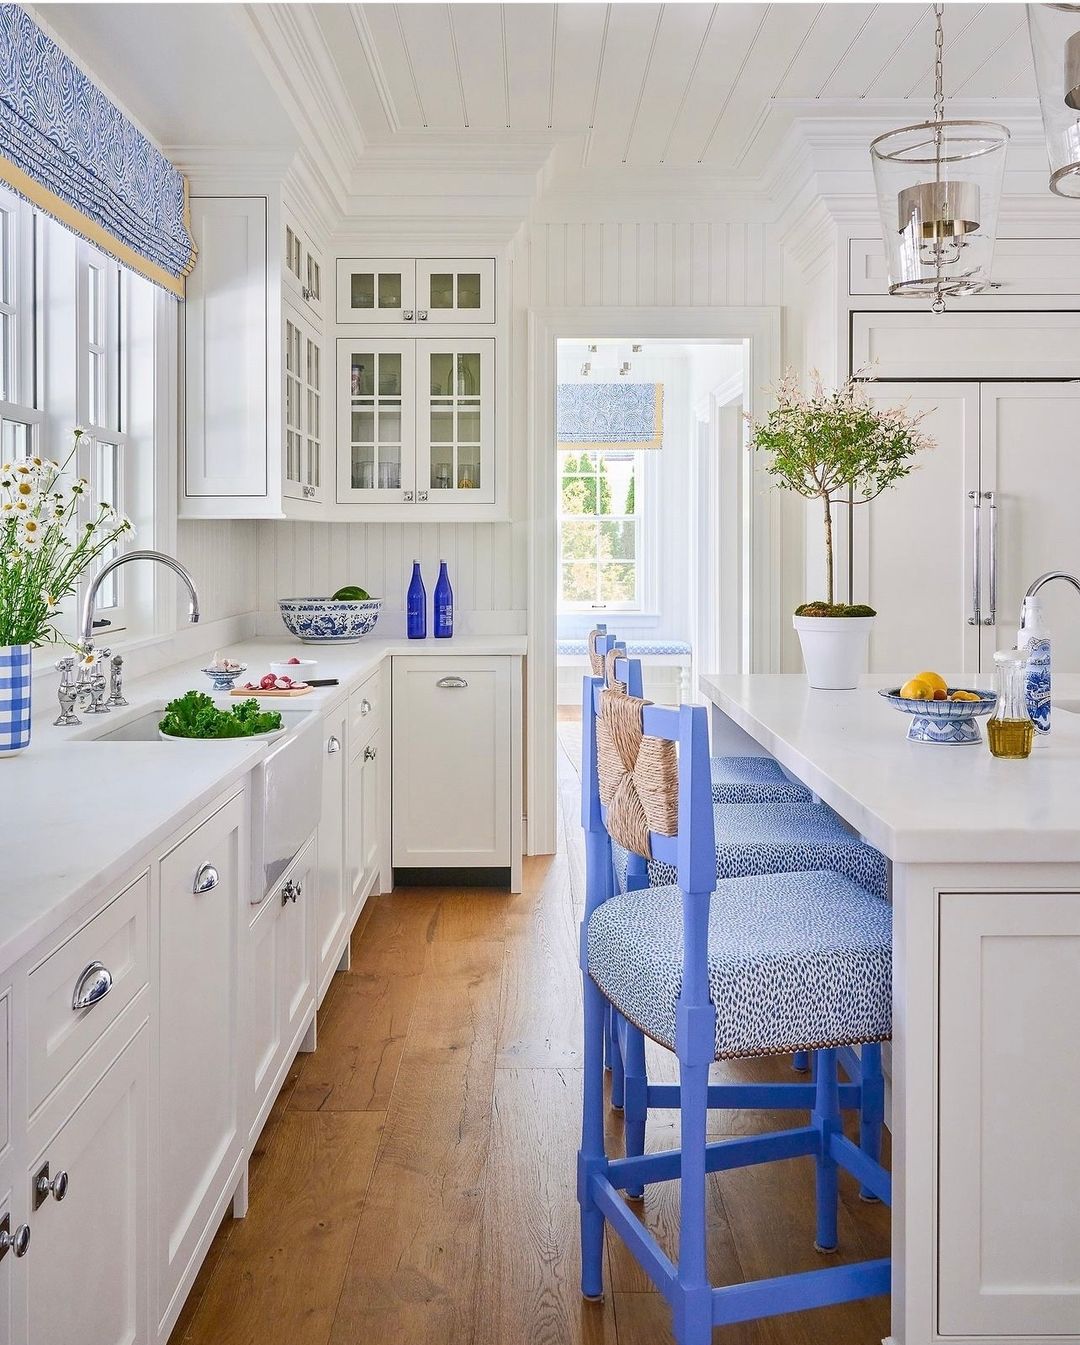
pixel 487 569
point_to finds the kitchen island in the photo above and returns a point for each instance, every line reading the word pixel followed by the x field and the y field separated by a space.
pixel 985 1072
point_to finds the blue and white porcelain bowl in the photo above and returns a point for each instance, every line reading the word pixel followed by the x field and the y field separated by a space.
pixel 949 722
pixel 222 679
pixel 325 621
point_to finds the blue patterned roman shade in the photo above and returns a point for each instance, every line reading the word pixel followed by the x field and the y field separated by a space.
pixel 68 149
pixel 603 416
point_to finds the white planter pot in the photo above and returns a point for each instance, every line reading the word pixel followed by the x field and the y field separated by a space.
pixel 834 649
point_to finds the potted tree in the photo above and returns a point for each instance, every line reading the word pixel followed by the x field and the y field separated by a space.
pixel 836 445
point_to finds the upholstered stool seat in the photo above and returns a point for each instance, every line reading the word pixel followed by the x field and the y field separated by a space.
pixel 775 838
pixel 754 780
pixel 796 961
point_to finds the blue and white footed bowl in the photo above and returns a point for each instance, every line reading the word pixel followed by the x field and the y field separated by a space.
pixel 324 621
pixel 949 722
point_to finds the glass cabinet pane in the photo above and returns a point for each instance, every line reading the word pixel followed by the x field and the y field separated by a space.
pixel 389 375
pixel 378 418
pixel 389 289
pixel 468 374
pixel 469 467
pixel 468 289
pixel 314 277
pixel 362 289
pixel 455 420
pixel 441 290
pixel 362 474
pixel 389 466
pixel 363 375
pixel 442 467
pixel 468 424
pixel 442 375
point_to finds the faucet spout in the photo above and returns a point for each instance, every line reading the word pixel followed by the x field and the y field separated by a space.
pixel 87 625
pixel 1037 584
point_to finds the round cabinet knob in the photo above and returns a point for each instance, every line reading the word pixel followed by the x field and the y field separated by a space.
pixel 421 314
pixel 46 1186
pixel 421 495
pixel 18 1243
pixel 407 496
pixel 333 744
pixel 407 314
pixel 298 889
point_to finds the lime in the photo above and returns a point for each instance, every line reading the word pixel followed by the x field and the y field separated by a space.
pixel 351 593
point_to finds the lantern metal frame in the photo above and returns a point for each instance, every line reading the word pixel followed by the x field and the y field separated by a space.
pixel 1054 104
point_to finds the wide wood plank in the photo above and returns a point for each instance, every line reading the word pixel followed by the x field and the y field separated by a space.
pixel 280 1275
pixel 413 1273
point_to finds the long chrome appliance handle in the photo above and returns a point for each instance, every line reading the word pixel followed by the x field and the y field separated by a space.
pixel 991 500
pixel 976 558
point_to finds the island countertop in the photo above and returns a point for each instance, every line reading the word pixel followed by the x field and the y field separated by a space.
pixel 917 802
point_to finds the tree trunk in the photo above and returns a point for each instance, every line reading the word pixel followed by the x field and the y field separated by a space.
pixel 830 585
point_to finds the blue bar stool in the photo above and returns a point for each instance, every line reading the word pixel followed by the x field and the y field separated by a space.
pixel 715 971
pixel 750 839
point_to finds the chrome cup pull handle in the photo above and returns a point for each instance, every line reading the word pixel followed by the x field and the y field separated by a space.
pixel 991 500
pixel 206 879
pixel 975 618
pixel 451 683
pixel 95 983
pixel 333 744
pixel 365 706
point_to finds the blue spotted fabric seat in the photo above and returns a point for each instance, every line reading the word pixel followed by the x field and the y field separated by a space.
pixel 776 838
pixel 797 961
pixel 754 780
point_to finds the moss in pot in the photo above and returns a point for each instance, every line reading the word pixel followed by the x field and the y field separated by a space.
pixel 836 446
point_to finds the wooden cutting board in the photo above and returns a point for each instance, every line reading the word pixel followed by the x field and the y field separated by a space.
pixel 292 691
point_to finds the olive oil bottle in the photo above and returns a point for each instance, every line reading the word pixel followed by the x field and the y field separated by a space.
pixel 1010 737
pixel 1010 729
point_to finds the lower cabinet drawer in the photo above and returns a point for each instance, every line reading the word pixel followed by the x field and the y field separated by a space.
pixel 84 986
pixel 364 707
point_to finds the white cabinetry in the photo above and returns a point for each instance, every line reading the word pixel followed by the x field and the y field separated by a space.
pixel 365 788
pixel 278 974
pixel 994 504
pixel 199 1139
pixel 416 421
pixel 254 362
pixel 456 762
pixel 87 1276
pixel 332 923
pixel 1009 1232
pixel 432 290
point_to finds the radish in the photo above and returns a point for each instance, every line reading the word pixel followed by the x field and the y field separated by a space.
pixel 267 682
pixel 283 684
pixel 293 660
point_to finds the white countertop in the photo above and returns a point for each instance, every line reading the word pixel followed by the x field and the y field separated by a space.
pixel 917 802
pixel 80 813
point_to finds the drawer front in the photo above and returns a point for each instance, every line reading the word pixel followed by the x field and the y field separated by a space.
pixel 365 706
pixel 59 1035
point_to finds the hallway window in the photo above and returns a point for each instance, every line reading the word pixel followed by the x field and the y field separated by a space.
pixel 600 530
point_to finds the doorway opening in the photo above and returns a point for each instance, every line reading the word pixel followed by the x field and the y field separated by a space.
pixel 651 512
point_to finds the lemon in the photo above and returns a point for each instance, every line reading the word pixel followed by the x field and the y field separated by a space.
pixel 964 696
pixel 934 680
pixel 917 690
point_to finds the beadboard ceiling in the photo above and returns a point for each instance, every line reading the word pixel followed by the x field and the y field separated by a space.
pixel 653 84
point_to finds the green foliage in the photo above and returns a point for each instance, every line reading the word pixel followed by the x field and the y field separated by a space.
pixel 588 538
pixel 629 508
pixel 581 483
pixel 831 445
pixel 194 715
pixel 834 609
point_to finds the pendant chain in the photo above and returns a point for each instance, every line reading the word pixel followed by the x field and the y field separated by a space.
pixel 939 79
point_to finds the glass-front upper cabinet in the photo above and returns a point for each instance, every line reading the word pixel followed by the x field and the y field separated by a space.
pixel 376 421
pixel 374 290
pixel 302 266
pixel 455 449
pixel 303 408
pixel 440 291
pixel 453 290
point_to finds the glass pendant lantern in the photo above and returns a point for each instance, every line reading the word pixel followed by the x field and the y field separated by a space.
pixel 939 190
pixel 1055 49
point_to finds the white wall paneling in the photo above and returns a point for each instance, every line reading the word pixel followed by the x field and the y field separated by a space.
pixel 221 557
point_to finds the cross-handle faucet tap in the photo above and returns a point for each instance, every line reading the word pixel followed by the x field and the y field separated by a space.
pixel 1037 584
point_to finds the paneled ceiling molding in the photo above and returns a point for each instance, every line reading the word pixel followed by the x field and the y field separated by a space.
pixel 69 149
pixel 379 80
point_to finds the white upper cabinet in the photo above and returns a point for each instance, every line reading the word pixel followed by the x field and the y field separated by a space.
pixel 416 421
pixel 303 412
pixel 302 266
pixel 441 291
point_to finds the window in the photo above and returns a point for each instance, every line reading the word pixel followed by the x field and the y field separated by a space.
pixel 77 347
pixel 601 530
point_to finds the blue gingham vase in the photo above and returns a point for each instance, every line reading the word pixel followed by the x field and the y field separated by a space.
pixel 14 698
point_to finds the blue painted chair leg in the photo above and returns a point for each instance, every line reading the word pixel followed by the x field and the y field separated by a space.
pixel 826 1117
pixel 618 1072
pixel 800 1062
pixel 635 1096
pixel 592 1157
pixel 872 1108
pixel 693 1303
pixel 609 1036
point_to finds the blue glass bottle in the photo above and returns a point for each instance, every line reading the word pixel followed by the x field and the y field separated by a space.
pixel 416 606
pixel 444 605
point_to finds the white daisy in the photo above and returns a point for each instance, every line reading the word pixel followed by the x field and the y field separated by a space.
pixel 89 659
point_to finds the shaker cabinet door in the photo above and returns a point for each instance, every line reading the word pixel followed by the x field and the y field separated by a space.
pixel 455 290
pixel 372 290
pixel 376 421
pixel 455 432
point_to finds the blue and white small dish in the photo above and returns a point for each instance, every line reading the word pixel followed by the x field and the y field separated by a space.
pixel 949 722
pixel 222 678
pixel 327 621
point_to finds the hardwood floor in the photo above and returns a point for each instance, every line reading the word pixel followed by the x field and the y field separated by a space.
pixel 415 1180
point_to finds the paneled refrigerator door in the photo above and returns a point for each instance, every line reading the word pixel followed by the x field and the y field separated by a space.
pixel 1031 468
pixel 376 421
pixel 376 290
pixel 455 440
pixel 914 548
pixel 451 290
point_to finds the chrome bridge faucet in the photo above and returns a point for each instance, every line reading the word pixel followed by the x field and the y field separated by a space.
pixel 82 680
